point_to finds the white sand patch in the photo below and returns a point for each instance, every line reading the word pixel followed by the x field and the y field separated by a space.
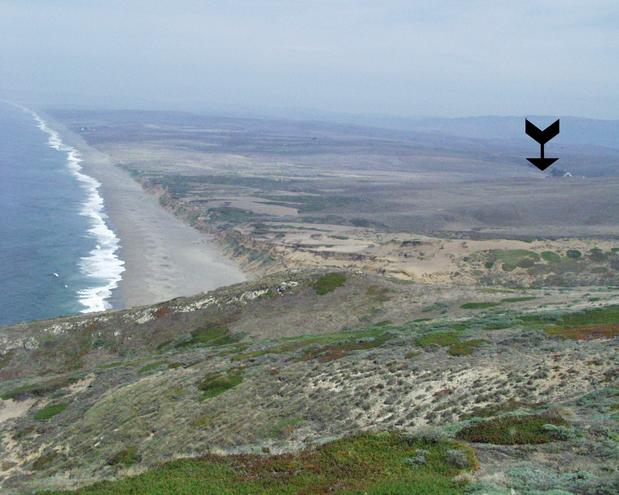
pixel 10 409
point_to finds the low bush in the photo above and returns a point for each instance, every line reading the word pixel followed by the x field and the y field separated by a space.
pixel 518 299
pixel 551 257
pixel 39 389
pixel 329 282
pixel 512 430
pixel 340 349
pixel 44 460
pixel 212 334
pixel 50 411
pixel 480 305
pixel 215 384
pixel 457 347
pixel 125 457
pixel 368 463
pixel 151 367
pixel 465 347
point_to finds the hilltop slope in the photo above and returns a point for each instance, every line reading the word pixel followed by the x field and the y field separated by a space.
pixel 294 360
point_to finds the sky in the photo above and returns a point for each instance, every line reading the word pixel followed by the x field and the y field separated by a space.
pixel 384 57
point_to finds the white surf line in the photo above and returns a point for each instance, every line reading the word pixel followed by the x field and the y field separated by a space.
pixel 102 265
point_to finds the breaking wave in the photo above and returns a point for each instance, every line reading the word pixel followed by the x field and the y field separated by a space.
pixel 102 265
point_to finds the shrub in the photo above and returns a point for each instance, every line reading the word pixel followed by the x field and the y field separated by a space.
pixel 479 305
pixel 457 458
pixel 44 460
pixel 39 389
pixel 573 254
pixel 438 338
pixel 340 349
pixel 456 346
pixel 466 347
pixel 212 334
pixel 596 254
pixel 151 367
pixel 551 257
pixel 517 299
pixel 125 457
pixel 591 323
pixel 512 430
pixel 525 263
pixel 50 411
pixel 368 463
pixel 329 282
pixel 214 384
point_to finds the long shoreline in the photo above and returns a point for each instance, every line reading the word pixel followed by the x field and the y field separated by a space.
pixel 164 257
pixel 102 265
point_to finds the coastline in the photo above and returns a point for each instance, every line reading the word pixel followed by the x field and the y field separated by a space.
pixel 101 266
pixel 163 256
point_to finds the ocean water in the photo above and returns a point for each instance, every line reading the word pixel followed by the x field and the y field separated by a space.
pixel 58 252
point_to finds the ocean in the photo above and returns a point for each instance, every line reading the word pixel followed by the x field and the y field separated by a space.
pixel 59 254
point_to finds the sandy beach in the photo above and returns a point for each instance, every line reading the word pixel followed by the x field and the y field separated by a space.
pixel 164 257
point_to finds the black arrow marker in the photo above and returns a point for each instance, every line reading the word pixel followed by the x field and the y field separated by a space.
pixel 542 137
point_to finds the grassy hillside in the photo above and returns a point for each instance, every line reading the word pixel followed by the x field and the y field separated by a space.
pixel 318 382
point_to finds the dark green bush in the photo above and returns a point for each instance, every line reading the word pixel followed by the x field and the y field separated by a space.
pixel 512 430
pixel 329 282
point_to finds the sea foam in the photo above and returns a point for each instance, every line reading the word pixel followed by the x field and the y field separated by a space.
pixel 102 265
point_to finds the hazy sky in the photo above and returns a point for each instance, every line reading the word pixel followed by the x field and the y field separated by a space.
pixel 450 58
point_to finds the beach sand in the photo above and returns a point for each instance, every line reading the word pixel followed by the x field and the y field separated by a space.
pixel 164 257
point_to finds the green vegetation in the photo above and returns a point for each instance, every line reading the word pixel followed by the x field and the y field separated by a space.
pixel 513 258
pixel 383 463
pixel 494 290
pixel 496 409
pixel 437 306
pixel 605 315
pixel 452 340
pixel 151 367
pixel 573 254
pixel 50 411
pixel 517 299
pixel 597 322
pixel 480 305
pixel 125 457
pixel 378 294
pixel 585 331
pixel 329 282
pixel 5 359
pixel 227 214
pixel 39 389
pixel 512 430
pixel 282 428
pixel 465 347
pixel 372 336
pixel 311 203
pixel 45 460
pixel 214 384
pixel 210 335
pixel 596 254
pixel 439 338
pixel 340 349
pixel 551 257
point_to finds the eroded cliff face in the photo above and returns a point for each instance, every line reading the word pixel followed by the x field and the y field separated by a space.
pixel 267 247
pixel 295 359
pixel 252 256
